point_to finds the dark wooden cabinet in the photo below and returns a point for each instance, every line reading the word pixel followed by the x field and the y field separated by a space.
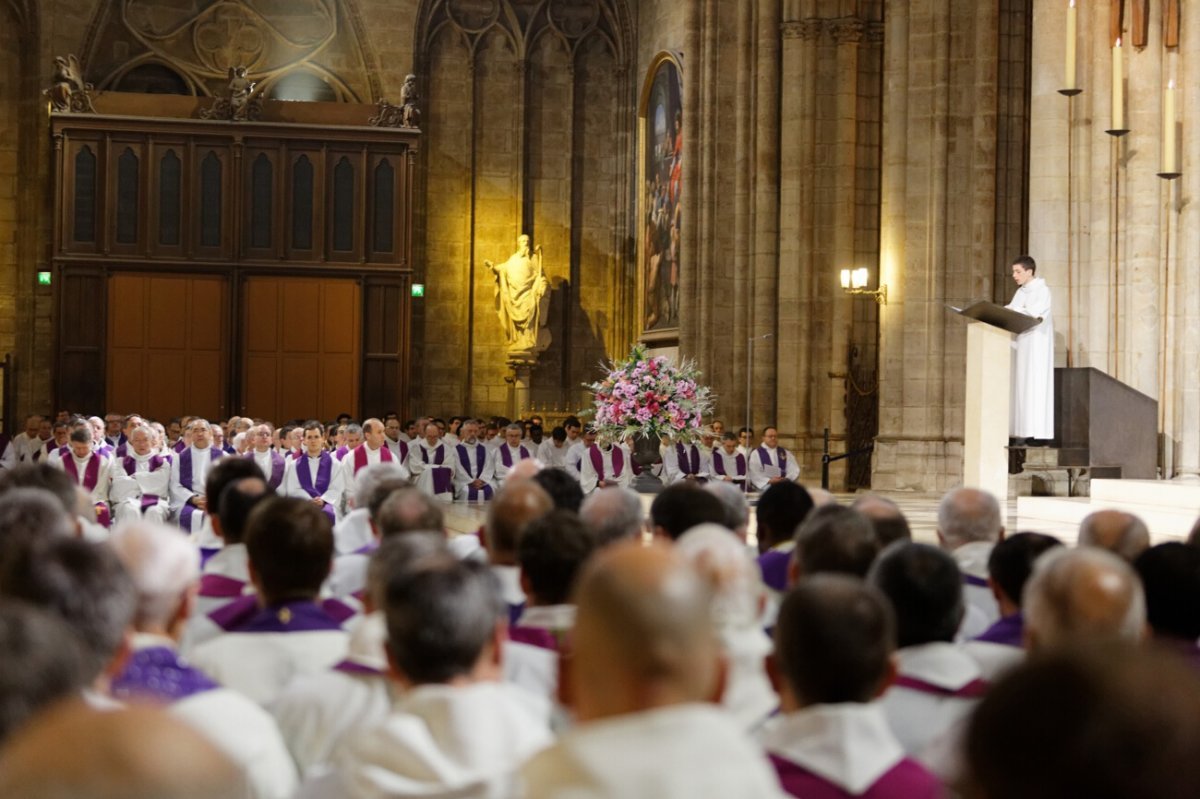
pixel 191 223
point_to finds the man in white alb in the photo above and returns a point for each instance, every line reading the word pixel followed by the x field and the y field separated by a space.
pixel 770 463
pixel 139 482
pixel 1032 409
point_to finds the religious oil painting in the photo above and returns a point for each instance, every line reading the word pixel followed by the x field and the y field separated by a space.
pixel 662 184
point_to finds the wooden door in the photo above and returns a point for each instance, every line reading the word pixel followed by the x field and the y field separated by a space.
pixel 303 341
pixel 168 347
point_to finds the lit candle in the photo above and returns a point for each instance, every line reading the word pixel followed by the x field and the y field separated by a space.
pixel 1118 88
pixel 1071 26
pixel 1169 163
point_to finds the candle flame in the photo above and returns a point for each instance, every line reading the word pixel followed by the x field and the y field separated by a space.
pixel 1118 41
pixel 1072 3
pixel 1171 83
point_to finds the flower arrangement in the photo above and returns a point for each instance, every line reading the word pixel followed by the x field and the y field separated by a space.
pixel 650 397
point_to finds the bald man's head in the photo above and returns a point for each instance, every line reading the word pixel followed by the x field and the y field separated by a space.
pixel 136 753
pixel 515 505
pixel 643 637
pixel 1084 594
pixel 1121 533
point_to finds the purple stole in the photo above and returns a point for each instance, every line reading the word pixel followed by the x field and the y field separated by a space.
pixel 719 466
pixel 44 450
pixel 245 616
pixel 506 455
pixel 481 458
pixel 105 449
pixel 774 567
pixel 91 473
pixel 358 669
pixel 341 451
pixel 978 582
pixel 975 689
pixel 121 451
pixel 534 636
pixel 324 474
pixel 218 586
pixel 179 446
pixel 185 479
pixel 687 465
pixel 158 673
pixel 1009 631
pixel 618 461
pixel 907 778
pixel 130 464
pixel 766 459
pixel 278 466
pixel 442 483
pixel 360 456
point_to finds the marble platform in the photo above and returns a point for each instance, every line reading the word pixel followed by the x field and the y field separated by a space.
pixel 1168 507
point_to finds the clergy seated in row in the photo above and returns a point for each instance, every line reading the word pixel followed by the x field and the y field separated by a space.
pixel 1170 576
pixel 510 453
pixel 605 464
pixel 396 508
pixel 433 464
pixel 457 729
pixel 738 602
pixel 1010 566
pixel 88 469
pixel 770 463
pixel 553 450
pixel 645 667
pixel 164 568
pixel 578 451
pixel 679 508
pixel 508 514
pixel 315 476
pixel 613 515
pixel 270 460
pixel 283 631
pixel 189 468
pixel 686 462
pixel 475 473
pixel 226 575
pixel 969 525
pixel 728 464
pixel 834 641
pixel 563 489
pixel 551 551
pixel 316 713
pixel 139 481
pixel 55 484
pixel 1121 533
pixel 937 683
pixel 353 533
pixel 370 452
pixel 779 512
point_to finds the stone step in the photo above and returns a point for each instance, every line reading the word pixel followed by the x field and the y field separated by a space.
pixel 1182 496
pixel 1061 516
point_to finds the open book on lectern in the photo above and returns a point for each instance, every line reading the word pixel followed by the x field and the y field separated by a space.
pixel 997 316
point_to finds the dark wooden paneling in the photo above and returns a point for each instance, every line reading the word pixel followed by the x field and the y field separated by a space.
pixel 81 312
pixel 385 346
pixel 344 235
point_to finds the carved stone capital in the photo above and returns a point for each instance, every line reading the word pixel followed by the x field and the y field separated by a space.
pixel 804 29
pixel 847 30
pixel 875 32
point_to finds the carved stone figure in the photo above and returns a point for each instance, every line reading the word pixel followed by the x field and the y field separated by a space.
pixel 69 93
pixel 389 116
pixel 410 115
pixel 240 104
pixel 522 299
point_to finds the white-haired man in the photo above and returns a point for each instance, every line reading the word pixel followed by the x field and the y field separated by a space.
pixel 140 482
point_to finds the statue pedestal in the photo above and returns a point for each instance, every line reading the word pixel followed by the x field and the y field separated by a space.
pixel 522 364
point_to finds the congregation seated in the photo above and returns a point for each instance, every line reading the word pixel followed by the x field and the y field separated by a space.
pixel 969 524
pixel 563 489
pixel 283 631
pixel 514 507
pixel 457 728
pixel 733 499
pixel 644 670
pixel 551 551
pixel 354 533
pixel 833 644
pixel 937 683
pixel 886 517
pixel 41 664
pixel 226 575
pixel 833 539
pixel 1123 534
pixel 317 712
pixel 1084 594
pixel 164 569
pixel 614 514
pixel 1170 575
pixel 680 507
pixel 719 558
pixel 1010 565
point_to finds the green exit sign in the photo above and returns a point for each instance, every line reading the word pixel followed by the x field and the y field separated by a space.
pixel 43 278
pixel 418 289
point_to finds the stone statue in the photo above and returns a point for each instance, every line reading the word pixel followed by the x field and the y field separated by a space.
pixel 410 115
pixel 522 299
pixel 69 93
pixel 240 104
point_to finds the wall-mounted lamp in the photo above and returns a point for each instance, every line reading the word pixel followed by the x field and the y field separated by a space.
pixel 854 281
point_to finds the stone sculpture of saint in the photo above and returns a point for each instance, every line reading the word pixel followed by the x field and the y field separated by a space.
pixel 522 298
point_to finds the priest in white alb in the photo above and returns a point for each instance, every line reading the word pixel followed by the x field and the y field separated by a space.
pixel 89 470
pixel 1031 412
pixel 316 476
pixel 270 460
pixel 432 464
pixel 511 452
pixel 189 468
pixel 371 451
pixel 474 477
pixel 605 465
pixel 140 482
pixel 770 463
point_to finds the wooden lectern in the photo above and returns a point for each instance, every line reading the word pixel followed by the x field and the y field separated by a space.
pixel 989 393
